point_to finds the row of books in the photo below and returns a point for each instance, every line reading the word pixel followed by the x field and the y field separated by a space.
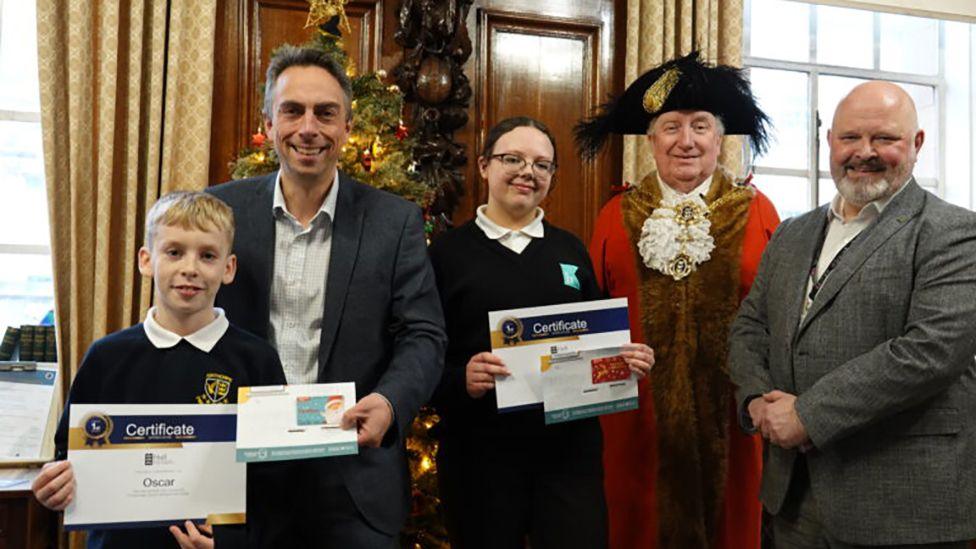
pixel 36 343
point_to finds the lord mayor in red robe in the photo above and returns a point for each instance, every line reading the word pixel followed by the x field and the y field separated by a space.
pixel 682 246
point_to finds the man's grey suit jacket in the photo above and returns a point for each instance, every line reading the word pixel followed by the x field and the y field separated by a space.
pixel 382 326
pixel 883 368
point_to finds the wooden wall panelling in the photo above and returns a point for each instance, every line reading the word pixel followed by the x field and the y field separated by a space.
pixel 247 32
pixel 281 21
pixel 229 121
pixel 24 523
pixel 556 68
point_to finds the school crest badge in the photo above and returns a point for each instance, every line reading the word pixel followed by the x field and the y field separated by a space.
pixel 216 387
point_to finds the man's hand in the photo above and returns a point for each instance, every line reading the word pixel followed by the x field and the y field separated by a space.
pixel 372 417
pixel 782 425
pixel 479 374
pixel 757 413
pixel 54 487
pixel 193 538
pixel 639 357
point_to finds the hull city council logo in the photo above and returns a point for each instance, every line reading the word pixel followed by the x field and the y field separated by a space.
pixel 97 428
pixel 216 387
pixel 511 329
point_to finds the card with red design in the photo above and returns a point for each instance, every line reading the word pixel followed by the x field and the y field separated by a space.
pixel 607 369
pixel 577 384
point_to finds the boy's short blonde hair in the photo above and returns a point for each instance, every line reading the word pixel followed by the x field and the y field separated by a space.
pixel 190 210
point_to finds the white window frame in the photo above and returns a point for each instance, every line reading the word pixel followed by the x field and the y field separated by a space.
pixel 19 116
pixel 14 297
pixel 814 70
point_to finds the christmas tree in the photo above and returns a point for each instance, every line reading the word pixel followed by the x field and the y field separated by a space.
pixel 379 152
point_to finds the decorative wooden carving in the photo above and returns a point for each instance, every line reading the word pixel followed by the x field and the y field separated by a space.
pixel 431 76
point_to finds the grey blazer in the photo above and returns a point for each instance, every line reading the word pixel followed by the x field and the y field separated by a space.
pixel 883 368
pixel 382 327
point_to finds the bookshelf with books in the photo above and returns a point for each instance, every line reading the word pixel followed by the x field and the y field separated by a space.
pixel 29 343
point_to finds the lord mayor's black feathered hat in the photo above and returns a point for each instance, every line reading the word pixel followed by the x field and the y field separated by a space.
pixel 681 84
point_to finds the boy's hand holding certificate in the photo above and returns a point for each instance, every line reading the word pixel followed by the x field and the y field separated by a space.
pixel 286 422
pixel 526 340
pixel 139 465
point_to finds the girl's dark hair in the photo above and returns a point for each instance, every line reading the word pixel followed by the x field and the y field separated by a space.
pixel 509 124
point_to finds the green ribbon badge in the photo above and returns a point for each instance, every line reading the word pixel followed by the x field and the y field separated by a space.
pixel 569 275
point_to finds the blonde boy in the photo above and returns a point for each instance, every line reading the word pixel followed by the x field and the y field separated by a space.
pixel 168 358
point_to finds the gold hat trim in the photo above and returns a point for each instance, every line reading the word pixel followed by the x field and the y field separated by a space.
pixel 658 92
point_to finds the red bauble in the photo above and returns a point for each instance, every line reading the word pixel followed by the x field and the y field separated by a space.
pixel 258 139
pixel 401 132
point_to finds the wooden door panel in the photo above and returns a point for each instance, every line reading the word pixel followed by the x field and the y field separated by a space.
pixel 546 68
pixel 366 25
pixel 279 22
pixel 282 21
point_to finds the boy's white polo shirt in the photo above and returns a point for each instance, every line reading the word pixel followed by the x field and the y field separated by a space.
pixel 204 339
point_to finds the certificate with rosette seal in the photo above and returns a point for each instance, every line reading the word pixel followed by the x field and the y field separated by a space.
pixel 525 338
pixel 142 465
pixel 285 422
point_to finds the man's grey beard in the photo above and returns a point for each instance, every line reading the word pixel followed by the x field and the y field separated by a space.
pixel 859 194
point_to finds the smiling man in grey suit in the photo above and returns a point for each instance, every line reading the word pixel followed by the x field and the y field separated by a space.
pixel 853 353
pixel 335 274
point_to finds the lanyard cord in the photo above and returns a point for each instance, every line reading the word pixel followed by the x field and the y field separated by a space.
pixel 818 283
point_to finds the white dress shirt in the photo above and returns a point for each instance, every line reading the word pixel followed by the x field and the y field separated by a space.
pixel 301 267
pixel 669 193
pixel 840 233
pixel 204 339
pixel 513 239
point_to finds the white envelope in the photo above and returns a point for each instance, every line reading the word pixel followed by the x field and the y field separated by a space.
pixel 587 383
pixel 286 422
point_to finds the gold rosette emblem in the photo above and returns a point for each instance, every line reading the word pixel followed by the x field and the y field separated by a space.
pixel 689 212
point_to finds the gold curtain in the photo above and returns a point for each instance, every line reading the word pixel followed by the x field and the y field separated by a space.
pixel 660 30
pixel 126 90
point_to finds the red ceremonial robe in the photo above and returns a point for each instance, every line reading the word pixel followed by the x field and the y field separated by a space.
pixel 630 438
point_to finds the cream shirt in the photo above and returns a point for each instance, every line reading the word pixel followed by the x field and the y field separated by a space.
pixel 301 268
pixel 513 239
pixel 840 233
pixel 668 193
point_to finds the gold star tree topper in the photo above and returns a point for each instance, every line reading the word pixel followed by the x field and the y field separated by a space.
pixel 320 11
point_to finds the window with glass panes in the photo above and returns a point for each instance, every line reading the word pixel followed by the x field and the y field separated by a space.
pixel 26 285
pixel 803 58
